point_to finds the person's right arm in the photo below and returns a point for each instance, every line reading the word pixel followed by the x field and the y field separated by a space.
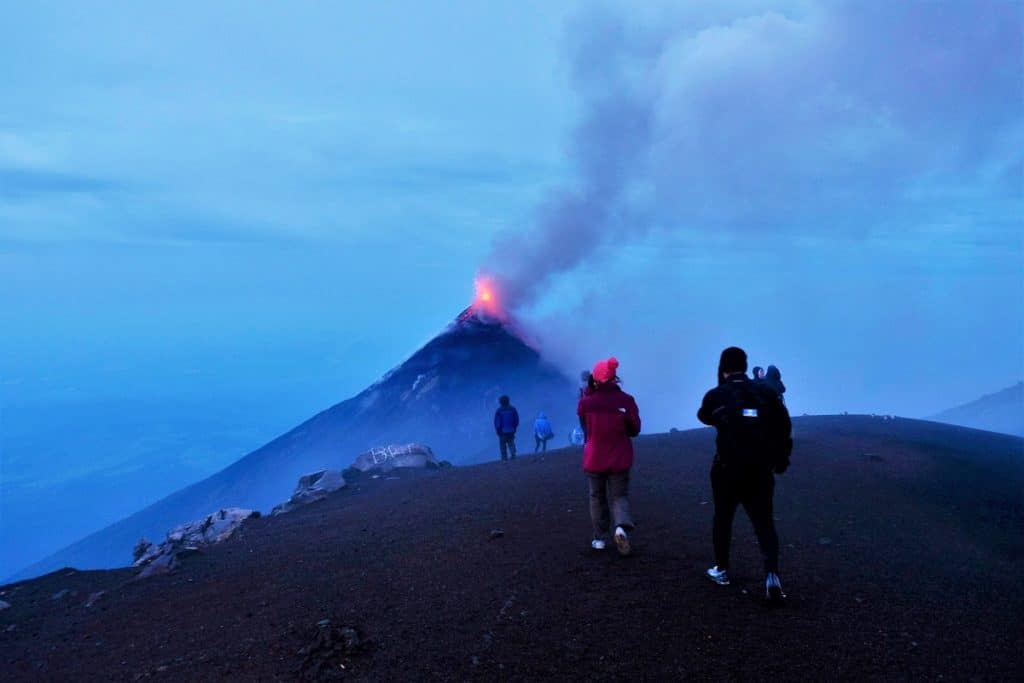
pixel 708 407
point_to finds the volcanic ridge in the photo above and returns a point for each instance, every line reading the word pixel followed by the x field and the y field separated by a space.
pixel 901 553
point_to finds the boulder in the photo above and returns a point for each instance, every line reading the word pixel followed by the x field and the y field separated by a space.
pixel 187 538
pixel 386 458
pixel 312 487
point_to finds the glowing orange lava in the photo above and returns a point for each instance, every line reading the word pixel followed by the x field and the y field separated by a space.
pixel 487 299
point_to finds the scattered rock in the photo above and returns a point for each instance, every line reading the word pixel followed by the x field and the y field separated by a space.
pixel 497 533
pixel 4 605
pixel 93 597
pixel 824 540
pixel 188 538
pixel 383 459
pixel 327 655
pixel 311 488
pixel 163 564
pixel 60 594
pixel 141 548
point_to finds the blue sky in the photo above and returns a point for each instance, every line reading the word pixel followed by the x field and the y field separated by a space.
pixel 251 212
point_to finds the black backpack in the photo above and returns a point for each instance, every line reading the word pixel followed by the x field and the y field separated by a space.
pixel 750 429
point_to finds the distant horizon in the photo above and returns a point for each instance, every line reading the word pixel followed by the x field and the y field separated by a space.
pixel 217 220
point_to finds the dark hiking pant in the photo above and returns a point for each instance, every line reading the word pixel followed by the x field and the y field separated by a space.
pixel 755 492
pixel 540 443
pixel 609 501
pixel 507 443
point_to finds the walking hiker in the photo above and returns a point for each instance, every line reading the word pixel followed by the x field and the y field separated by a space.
pixel 754 443
pixel 542 432
pixel 506 422
pixel 609 418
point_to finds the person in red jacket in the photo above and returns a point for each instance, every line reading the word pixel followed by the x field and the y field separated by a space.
pixel 610 418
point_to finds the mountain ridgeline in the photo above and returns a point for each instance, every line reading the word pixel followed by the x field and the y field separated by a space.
pixel 1002 411
pixel 444 395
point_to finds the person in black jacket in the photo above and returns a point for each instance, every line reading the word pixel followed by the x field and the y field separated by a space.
pixel 753 444
pixel 506 422
pixel 773 378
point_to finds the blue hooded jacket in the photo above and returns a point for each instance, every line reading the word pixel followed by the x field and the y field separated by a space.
pixel 542 427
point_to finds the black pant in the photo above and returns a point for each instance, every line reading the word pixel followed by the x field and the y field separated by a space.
pixel 507 443
pixel 755 492
pixel 613 488
pixel 540 443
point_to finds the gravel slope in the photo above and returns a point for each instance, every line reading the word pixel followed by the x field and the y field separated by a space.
pixel 901 552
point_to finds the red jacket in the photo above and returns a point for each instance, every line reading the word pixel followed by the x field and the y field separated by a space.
pixel 609 417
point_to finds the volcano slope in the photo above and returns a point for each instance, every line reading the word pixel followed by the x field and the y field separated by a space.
pixel 444 395
pixel 901 557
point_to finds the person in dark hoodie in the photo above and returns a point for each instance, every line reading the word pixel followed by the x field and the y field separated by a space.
pixel 773 379
pixel 586 383
pixel 609 418
pixel 506 422
pixel 754 443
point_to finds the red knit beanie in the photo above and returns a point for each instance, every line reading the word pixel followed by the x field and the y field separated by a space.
pixel 604 370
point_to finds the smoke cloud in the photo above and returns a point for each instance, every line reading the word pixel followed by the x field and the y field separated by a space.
pixel 750 122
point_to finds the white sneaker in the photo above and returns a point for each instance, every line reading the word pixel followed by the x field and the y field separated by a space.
pixel 719 576
pixel 597 544
pixel 622 541
pixel 773 589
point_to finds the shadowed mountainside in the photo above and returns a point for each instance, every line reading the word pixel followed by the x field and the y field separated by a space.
pixel 1002 411
pixel 444 395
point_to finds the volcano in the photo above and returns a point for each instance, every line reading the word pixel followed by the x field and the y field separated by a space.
pixel 444 396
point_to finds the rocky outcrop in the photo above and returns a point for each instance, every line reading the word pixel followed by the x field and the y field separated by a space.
pixel 312 487
pixel 386 458
pixel 188 538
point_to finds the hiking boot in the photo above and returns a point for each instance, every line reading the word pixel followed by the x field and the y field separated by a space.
pixel 622 541
pixel 597 544
pixel 773 589
pixel 719 576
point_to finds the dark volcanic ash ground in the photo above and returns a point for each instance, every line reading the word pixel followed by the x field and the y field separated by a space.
pixel 901 551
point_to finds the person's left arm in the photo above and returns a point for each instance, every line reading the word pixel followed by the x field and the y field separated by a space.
pixel 632 418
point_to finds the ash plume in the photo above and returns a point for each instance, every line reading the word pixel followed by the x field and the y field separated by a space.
pixel 781 120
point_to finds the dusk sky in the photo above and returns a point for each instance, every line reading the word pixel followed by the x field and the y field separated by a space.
pixel 218 219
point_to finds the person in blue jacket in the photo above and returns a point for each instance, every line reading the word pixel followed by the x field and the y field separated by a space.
pixel 542 432
pixel 506 422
